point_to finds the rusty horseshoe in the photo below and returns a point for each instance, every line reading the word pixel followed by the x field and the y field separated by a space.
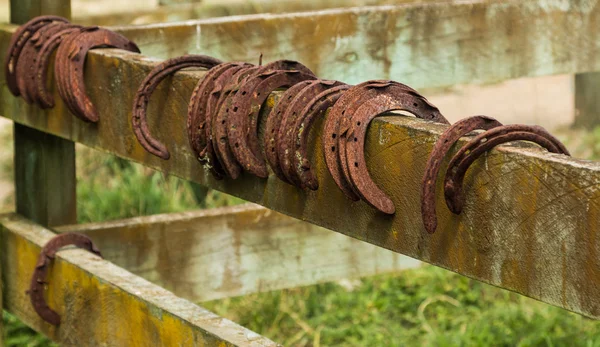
pixel 485 141
pixel 389 98
pixel 149 84
pixel 434 163
pixel 38 279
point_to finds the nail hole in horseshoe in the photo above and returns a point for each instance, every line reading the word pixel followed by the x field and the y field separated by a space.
pixel 333 148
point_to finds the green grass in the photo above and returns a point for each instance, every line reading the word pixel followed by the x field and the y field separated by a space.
pixel 427 306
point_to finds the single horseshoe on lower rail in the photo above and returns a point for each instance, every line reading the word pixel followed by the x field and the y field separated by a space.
pixel 434 163
pixel 242 124
pixel 28 58
pixel 314 109
pixel 149 84
pixel 286 141
pixel 459 164
pixel 391 98
pixel 271 138
pixel 198 110
pixel 17 42
pixel 38 279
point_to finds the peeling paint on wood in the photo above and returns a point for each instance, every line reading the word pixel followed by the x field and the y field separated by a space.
pixel 213 254
pixel 530 223
pixel 103 305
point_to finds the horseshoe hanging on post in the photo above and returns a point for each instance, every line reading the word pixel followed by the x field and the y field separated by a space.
pixel 286 129
pixel 389 98
pixel 314 109
pixel 38 279
pixel 434 163
pixel 242 123
pixel 485 141
pixel 142 97
pixel 71 56
pixel 16 45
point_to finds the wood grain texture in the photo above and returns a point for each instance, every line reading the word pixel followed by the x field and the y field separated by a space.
pixel 218 8
pixel 103 305
pixel 233 251
pixel 587 100
pixel 423 45
pixel 530 223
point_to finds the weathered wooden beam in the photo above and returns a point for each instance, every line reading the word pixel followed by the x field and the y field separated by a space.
pixel 587 100
pixel 102 304
pixel 529 225
pixel 217 8
pixel 233 251
pixel 423 45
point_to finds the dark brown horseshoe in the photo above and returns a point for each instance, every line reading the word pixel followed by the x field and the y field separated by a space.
pixel 271 139
pixel 242 124
pixel 28 58
pixel 149 84
pixel 315 108
pixel 434 163
pixel 61 62
pixel 217 129
pixel 16 45
pixel 38 279
pixel 42 95
pixel 485 141
pixel 286 141
pixel 389 98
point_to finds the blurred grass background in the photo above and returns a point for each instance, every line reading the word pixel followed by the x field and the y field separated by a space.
pixel 427 306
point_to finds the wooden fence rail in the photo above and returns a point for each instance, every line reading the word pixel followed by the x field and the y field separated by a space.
pixel 531 218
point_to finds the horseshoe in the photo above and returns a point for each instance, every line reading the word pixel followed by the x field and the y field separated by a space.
pixel 317 107
pixel 217 125
pixel 38 279
pixel 73 56
pixel 28 58
pixel 271 139
pixel 434 163
pixel 242 124
pixel 41 68
pixel 198 110
pixel 149 84
pixel 385 99
pixel 483 142
pixel 16 45
pixel 286 129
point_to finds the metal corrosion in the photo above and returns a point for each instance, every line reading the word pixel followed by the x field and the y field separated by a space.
pixel 42 66
pixel 198 118
pixel 271 137
pixel 16 45
pixel 70 62
pixel 242 124
pixel 217 127
pixel 38 279
pixel 149 84
pixel 353 131
pixel 314 109
pixel 485 141
pixel 434 163
pixel 28 58
pixel 285 145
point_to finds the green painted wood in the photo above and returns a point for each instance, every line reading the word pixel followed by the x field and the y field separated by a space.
pixel 44 164
pixel 587 100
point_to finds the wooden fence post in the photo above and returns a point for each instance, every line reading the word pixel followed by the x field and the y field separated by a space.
pixel 587 100
pixel 44 164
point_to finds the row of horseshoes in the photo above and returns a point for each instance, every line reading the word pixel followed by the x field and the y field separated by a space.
pixel 224 115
